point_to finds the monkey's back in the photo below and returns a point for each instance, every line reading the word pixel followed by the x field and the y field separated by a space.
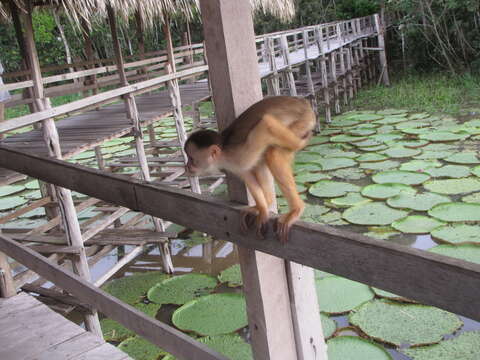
pixel 287 109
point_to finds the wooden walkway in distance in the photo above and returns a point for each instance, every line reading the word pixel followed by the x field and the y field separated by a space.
pixel 29 330
pixel 85 131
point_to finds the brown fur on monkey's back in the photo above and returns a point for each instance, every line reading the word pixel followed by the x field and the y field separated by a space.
pixel 287 109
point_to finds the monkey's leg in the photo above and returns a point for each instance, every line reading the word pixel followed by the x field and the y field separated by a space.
pixel 279 162
pixel 260 210
pixel 265 180
pixel 283 136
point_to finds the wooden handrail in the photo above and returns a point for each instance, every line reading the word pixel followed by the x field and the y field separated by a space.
pixel 445 282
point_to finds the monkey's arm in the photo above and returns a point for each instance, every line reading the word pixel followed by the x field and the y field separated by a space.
pixel 279 162
pixel 260 210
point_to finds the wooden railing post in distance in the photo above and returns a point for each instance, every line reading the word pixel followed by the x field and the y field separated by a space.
pixel 236 86
pixel 382 54
pixel 64 196
pixel 7 285
pixel 286 58
pixel 273 85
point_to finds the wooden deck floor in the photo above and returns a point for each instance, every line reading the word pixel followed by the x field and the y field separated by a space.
pixel 30 330
pixel 82 132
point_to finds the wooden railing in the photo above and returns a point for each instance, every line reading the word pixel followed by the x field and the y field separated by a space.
pixel 445 282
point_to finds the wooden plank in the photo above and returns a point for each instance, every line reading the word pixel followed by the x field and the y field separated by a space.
pixel 174 341
pixel 64 298
pixel 26 209
pixel 102 352
pixel 70 348
pixel 448 283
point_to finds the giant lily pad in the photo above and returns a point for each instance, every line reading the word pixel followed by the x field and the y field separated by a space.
pixel 398 324
pixel 392 112
pixel 140 349
pixel 367 143
pixel 401 152
pixel 456 211
pixel 384 191
pixel 370 157
pixel 381 232
pixel 333 163
pixel 344 138
pixel 10 189
pixel 180 289
pixel 365 117
pixel 317 140
pixel 418 116
pixel 313 213
pixel 130 289
pixel 412 143
pixel 32 185
pixel 10 202
pixel 472 198
pixel 350 199
pixel 443 136
pixel 432 154
pixel 419 202
pixel 307 177
pixel 339 122
pixel 328 188
pixel 355 348
pixel 387 136
pixel 463 158
pixel 458 234
pixel 449 171
pixel 328 325
pixel 374 148
pixel 467 252
pixel 337 295
pixel 416 224
pixel 390 296
pixel 400 177
pixel 213 314
pixel 230 345
pixel 307 156
pixel 348 174
pixel 362 132
pixel 453 186
pixel 420 165
pixel 373 213
pixel 232 276
pixel 382 165
pixel 388 120
pixel 464 347
pixel 476 171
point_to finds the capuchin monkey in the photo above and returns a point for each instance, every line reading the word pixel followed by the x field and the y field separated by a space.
pixel 262 141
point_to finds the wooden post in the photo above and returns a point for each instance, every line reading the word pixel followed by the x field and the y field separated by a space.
pixel 64 196
pixel 352 88
pixel 308 74
pixel 99 157
pixel 382 54
pixel 286 58
pixel 344 75
pixel 89 54
pixel 133 116
pixel 272 81
pixel 333 70
pixel 323 72
pixel 236 86
pixel 7 285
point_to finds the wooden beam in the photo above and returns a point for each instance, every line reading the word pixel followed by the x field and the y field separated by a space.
pixel 7 285
pixel 448 283
pixel 174 341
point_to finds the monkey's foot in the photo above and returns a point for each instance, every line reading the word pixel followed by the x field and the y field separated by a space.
pixel 283 225
pixel 251 216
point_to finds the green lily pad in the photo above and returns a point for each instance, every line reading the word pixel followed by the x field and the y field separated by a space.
pixel 350 199
pixel 213 314
pixel 463 158
pixel 130 289
pixel 453 186
pixel 419 202
pixel 348 174
pixel 307 156
pixel 32 185
pixel 343 154
pixel 329 188
pixel 332 131
pixel 381 232
pixel 418 116
pixel 333 218
pixel 355 348
pixel 316 140
pixel 140 349
pixel 467 252
pixel 302 167
pixel 399 324
pixel 456 211
pixel 387 129
pixel 181 289
pixel 365 117
pixel 313 213
pixel 367 143
pixel 328 325
pixel 464 347
pixel 417 131
pixel 329 149
pixel 411 143
pixel 337 295
pixel 32 195
pixel 373 213
pixel 416 224
pixel 472 198
pixel 432 154
pixel 443 136
pixel 380 147
pixel 401 152
pixel 334 163
pixel 308 177
pixel 370 157
pixel 387 136
pixel 339 122
pixel 384 191
pixel 449 171
pixel 420 165
pixel 230 345
pixel 10 189
pixel 382 165
pixel 476 171
pixel 389 120
pixel 362 132
pixel 400 177
pixel 344 138
pixel 458 234
pixel 232 276
pixel 114 331
pixel 412 125
pixel 390 296
pixel 10 202
pixel 392 112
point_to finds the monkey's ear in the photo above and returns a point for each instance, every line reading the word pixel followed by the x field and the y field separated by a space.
pixel 214 151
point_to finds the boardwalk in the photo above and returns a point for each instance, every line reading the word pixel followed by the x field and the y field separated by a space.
pixel 30 330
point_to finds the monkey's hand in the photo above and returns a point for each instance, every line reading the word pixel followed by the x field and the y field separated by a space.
pixel 251 216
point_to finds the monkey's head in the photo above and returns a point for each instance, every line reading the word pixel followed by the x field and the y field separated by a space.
pixel 204 151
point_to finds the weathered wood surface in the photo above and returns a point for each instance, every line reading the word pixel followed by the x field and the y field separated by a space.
pixel 30 330
pixel 448 283
pixel 182 346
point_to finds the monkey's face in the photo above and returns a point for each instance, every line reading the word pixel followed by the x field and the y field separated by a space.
pixel 202 161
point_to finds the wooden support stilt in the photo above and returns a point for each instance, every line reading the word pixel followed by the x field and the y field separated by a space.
pixel 7 285
pixel 99 158
pixel 382 53
pixel 64 197
pixel 350 71
pixel 196 118
pixel 89 54
pixel 308 74
pixel 272 82
pixel 333 69
pixel 265 277
pixel 286 58
pixel 324 75
pixel 343 70
pixel 133 116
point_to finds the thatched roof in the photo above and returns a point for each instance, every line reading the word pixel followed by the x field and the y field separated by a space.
pixel 152 10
